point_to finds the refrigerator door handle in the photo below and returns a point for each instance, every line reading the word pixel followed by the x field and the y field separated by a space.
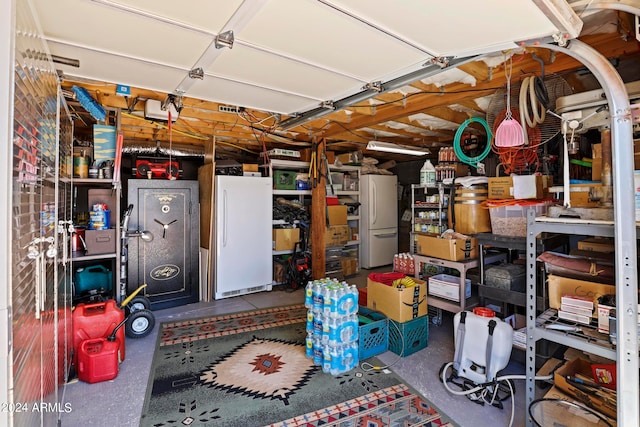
pixel 374 204
pixel 385 234
pixel 224 218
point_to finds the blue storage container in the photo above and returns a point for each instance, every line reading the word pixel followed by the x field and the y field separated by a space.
pixel 94 278
pixel 408 337
pixel 373 336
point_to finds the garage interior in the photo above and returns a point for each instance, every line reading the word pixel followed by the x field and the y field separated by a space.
pixel 226 84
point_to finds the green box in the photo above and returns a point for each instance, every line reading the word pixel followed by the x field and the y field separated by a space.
pixel 408 337
pixel 284 180
pixel 373 337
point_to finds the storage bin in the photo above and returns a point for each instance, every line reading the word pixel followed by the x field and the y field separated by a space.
pixel 284 180
pixel 511 220
pixel 93 278
pixel 373 336
pixel 448 287
pixel 408 337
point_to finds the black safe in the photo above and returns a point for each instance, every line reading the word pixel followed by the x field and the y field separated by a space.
pixel 168 264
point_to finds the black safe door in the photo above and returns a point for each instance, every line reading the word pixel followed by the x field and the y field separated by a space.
pixel 168 264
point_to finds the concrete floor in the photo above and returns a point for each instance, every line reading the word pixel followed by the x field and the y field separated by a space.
pixel 120 401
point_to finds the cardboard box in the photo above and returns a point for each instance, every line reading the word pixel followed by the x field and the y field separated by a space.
pixel 449 249
pixel 596 165
pixel 100 241
pixel 284 239
pixel 519 187
pixel 337 215
pixel 349 266
pixel 500 188
pixel 354 157
pixel 250 167
pixel 592 399
pixel 597 244
pixel 399 304
pixel 559 286
pixel 557 413
pixel 336 235
pixel 528 187
pixel 305 155
pixel 603 318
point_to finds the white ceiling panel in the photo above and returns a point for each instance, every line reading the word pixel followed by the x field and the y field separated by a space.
pixel 248 96
pixel 87 23
pixel 120 70
pixel 455 27
pixel 288 55
pixel 313 32
pixel 209 16
pixel 271 71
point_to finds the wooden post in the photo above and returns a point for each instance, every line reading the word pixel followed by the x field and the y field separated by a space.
pixel 318 215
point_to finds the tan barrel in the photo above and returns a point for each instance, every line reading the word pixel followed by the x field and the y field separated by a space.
pixel 470 216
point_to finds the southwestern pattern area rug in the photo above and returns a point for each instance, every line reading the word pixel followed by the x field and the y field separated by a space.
pixel 249 369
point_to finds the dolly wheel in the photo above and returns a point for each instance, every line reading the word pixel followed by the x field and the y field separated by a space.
pixel 139 303
pixel 140 323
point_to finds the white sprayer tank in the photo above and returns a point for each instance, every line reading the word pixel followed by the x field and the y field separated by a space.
pixel 478 358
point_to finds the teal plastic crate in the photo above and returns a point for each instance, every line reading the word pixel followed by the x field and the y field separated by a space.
pixel 284 180
pixel 408 337
pixel 373 337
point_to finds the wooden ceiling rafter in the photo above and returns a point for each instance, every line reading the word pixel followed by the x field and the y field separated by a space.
pixel 200 120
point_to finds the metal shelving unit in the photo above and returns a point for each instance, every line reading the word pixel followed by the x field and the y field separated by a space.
pixel 303 167
pixel 420 206
pixel 542 325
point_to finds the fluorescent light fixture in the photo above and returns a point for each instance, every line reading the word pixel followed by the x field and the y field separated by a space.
pixel 396 148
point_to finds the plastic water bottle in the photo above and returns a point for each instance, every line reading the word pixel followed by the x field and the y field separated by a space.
pixel 336 360
pixel 327 361
pixel 308 349
pixel 317 325
pixel 318 300
pixel 308 295
pixel 309 326
pixel 318 356
pixel 329 302
pixel 349 330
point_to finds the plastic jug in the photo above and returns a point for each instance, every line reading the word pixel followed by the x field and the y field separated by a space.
pixel 428 173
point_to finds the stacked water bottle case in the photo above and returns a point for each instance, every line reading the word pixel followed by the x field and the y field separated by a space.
pixel 332 325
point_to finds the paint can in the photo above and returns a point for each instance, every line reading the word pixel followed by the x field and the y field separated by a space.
pixel 81 166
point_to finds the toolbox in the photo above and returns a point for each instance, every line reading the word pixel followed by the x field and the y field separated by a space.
pixel 512 277
pixel 97 320
pixel 98 360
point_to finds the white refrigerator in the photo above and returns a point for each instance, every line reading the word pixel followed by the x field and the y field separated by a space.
pixel 379 211
pixel 242 257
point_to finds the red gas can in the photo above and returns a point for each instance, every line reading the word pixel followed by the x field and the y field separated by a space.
pixel 97 320
pixel 98 360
